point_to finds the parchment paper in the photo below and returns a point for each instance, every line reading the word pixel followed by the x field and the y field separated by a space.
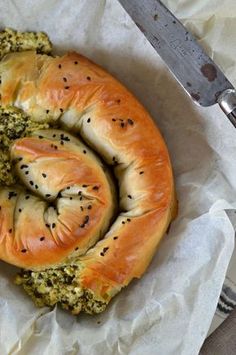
pixel 170 309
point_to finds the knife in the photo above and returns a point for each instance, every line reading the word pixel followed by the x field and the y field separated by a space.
pixel 196 72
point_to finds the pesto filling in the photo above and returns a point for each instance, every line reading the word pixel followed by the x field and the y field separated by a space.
pixel 60 285
pixel 14 124
pixel 14 41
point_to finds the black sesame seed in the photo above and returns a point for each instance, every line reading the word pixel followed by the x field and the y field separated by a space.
pixel 77 248
pixel 75 62
pixel 47 111
pixel 23 166
pixel 19 159
pixel 41 239
pixel 47 225
pixel 80 193
pixel 84 185
pixel 23 250
pixel 81 208
pixel 36 186
pixel 113 119
pixel 129 196
pixel 68 188
pixel 123 222
pixel 20 210
pixel 118 101
pixel 40 137
pixel 102 254
pixel 81 198
pixel 122 124
pixel 67 87
pixel 61 109
pixel 54 135
pixel 55 147
pixel 128 220
pixel 82 226
pixel 47 195
pixel 88 78
pixel 115 238
pixel 89 120
pixel 26 172
pixel 44 175
pixel 61 142
pixel 31 183
pixel 59 195
pixel 96 187
pixel 71 198
pixel 105 250
pixel 65 80
pixel 59 66
pixel 27 197
pixel 89 207
pixel 84 151
pixel 10 231
pixel 141 172
pixel 53 225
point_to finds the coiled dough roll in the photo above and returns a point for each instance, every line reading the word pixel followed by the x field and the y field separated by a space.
pixel 81 98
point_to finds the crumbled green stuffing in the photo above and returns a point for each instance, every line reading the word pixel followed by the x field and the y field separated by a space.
pixel 60 285
pixel 14 41
pixel 14 124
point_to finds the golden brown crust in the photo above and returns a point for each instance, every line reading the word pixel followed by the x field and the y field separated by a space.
pixel 84 98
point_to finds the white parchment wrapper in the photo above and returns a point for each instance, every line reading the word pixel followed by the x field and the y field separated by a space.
pixel 170 309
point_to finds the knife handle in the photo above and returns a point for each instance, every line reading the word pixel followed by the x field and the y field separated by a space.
pixel 227 102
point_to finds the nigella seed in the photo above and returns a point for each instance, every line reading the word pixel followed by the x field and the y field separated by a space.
pixel 27 173
pixel 27 197
pixel 86 219
pixel 61 109
pixel 131 122
pixel 123 222
pixel 47 195
pixel 84 151
pixel 41 239
pixel 102 254
pixel 128 220
pixel 54 135
pixel 115 238
pixel 75 62
pixel 84 185
pixel 31 183
pixel 70 198
pixel 65 80
pixel 105 250
pixel 77 248
pixel 47 225
pixel 81 198
pixel 68 188
pixel 81 208
pixel 23 250
pixel 47 111
pixel 88 78
pixel 113 119
pixel 89 207
pixel 53 225
pixel 59 66
pixel 129 196
pixel 122 124
pixel 36 186
pixel 141 172
pixel 44 175
pixel 40 137
pixel 67 87
pixel 20 210
pixel 88 120
pixel 80 193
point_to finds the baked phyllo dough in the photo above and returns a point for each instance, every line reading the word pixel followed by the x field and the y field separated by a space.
pixel 77 240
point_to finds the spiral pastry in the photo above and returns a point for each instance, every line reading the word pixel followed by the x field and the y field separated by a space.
pixel 62 223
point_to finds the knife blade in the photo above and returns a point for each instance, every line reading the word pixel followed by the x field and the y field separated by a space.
pixel 193 68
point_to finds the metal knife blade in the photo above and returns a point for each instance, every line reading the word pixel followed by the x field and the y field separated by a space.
pixel 195 71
